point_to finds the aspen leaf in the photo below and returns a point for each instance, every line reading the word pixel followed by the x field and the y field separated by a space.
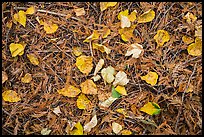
pixel 45 131
pixel 20 17
pixel 125 22
pixel 150 78
pixel 132 16
pixel 57 110
pixel 79 11
pixel 96 77
pixel 82 101
pixel 195 49
pixel 161 37
pixel 10 96
pixel 187 39
pixel 122 111
pixel 121 79
pixel 69 91
pixel 101 47
pixel 190 18
pixel 99 66
pixel 95 35
pixel 50 28
pixel 9 24
pixel 77 51
pixel 16 49
pixel 151 108
pixel 33 59
pixel 127 33
pixel 135 50
pixel 126 19
pixel 121 90
pixel 126 132
pixel 198 31
pixel 105 5
pixel 107 102
pixel 107 74
pixel 84 64
pixel 91 124
pixel 88 87
pixel 115 94
pixel 78 130
pixel 4 77
pixel 116 127
pixel 106 32
pixel 182 88
pixel 30 10
pixel 27 78
pixel 123 13
pixel 146 16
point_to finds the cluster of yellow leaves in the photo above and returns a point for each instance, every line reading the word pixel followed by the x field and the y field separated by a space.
pixel 10 96
pixel 195 49
pixel 151 108
pixel 161 37
pixel 127 19
pixel 105 5
pixel 27 78
pixel 150 78
pixel 84 64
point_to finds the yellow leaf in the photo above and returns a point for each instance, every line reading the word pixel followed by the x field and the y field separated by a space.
pixel 121 79
pixel 77 51
pixel 135 50
pixel 187 39
pixel 146 17
pixel 16 49
pixel 82 101
pixel 95 35
pixel 182 88
pixel 123 13
pixel 84 64
pixel 88 87
pixel 195 49
pixel 150 78
pixel 107 74
pixel 151 108
pixel 9 24
pixel 161 37
pixel 78 130
pixel 69 91
pixel 105 5
pixel 30 10
pixel 106 32
pixel 10 96
pixel 4 77
pixel 101 47
pixel 79 11
pixel 127 33
pixel 33 59
pixel 122 111
pixel 126 132
pixel 132 16
pixel 91 124
pixel 50 28
pixel 190 18
pixel 99 66
pixel 116 127
pixel 27 78
pixel 121 90
pixel 20 17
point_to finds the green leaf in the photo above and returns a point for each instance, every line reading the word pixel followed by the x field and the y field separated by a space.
pixel 115 94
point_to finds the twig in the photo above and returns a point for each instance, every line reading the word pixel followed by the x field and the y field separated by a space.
pixel 91 48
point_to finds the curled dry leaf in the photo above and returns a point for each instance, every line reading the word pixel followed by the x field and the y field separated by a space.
pixel 57 110
pixel 77 50
pixel 27 78
pixel 121 90
pixel 107 102
pixel 151 108
pixel 91 124
pixel 30 10
pixel 84 64
pixel 33 59
pixel 161 37
pixel 105 5
pixel 146 16
pixel 116 127
pixel 79 11
pixel 101 47
pixel 88 87
pixel 69 91
pixel 16 49
pixel 45 131
pixel 82 101
pixel 78 130
pixel 135 50
pixel 95 35
pixel 150 78
pixel 10 96
pixel 99 66
pixel 4 77
pixel 20 17
pixel 121 79
pixel 195 49
pixel 190 18
pixel 108 74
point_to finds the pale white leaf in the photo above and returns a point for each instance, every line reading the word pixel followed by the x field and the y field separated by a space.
pixel 116 127
pixel 99 66
pixel 107 102
pixel 107 74
pixel 135 51
pixel 91 124
pixel 45 131
pixel 57 110
pixel 121 79
pixel 125 22
pixel 96 78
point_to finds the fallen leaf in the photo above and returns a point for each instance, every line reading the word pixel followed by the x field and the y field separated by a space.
pixel 95 35
pixel 151 108
pixel 121 90
pixel 115 94
pixel 125 22
pixel 91 124
pixel 30 10
pixel 126 132
pixel 69 91
pixel 84 64
pixel 121 79
pixel 190 18
pixel 195 49
pixel 132 16
pixel 116 127
pixel 126 19
pixel 107 102
pixel 77 50
pixel 146 16
pixel 108 74
pixel 187 39
pixel 122 111
pixel 33 59
pixel 20 17
pixel 182 88
pixel 161 37
pixel 96 77
pixel 105 5
pixel 101 47
pixel 99 66
pixel 9 24
pixel 82 101
pixel 57 110
pixel 150 78
pixel 88 87
pixel 50 27
pixel 198 31
pixel 78 130
pixel 10 96
pixel 79 11
pixel 135 50
pixel 45 131
pixel 4 77
pixel 39 21
pixel 126 33
pixel 27 78
pixel 106 32
pixel 16 49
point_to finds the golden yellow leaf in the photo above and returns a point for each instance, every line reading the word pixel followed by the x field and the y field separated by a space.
pixel 151 108
pixel 122 111
pixel 182 88
pixel 105 5
pixel 108 74
pixel 4 77
pixel 161 37
pixel 84 64
pixel 123 13
pixel 135 50
pixel 132 16
pixel 121 90
pixel 77 50
pixel 146 16
pixel 79 11
pixel 69 91
pixel 16 49
pixel 27 78
pixel 10 96
pixel 101 47
pixel 95 35
pixel 33 59
pixel 195 49
pixel 150 78
pixel 116 127
pixel 82 101
pixel 88 87
pixel 187 39
pixel 127 33
pixel 126 132
pixel 20 17
pixel 9 24
pixel 30 10
pixel 78 130
pixel 106 32
pixel 50 28
pixel 190 18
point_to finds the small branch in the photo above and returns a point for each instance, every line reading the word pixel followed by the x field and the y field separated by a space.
pixel 91 49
